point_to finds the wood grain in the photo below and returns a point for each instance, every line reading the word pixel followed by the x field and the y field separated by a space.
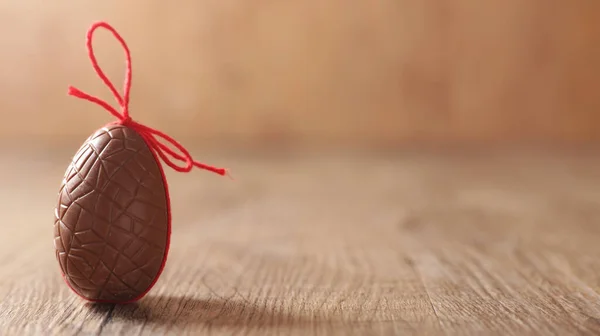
pixel 344 244
pixel 310 72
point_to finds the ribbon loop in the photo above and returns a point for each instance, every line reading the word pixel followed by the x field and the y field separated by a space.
pixel 150 135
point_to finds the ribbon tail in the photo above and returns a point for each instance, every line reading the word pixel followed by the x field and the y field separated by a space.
pixel 220 171
pixel 75 92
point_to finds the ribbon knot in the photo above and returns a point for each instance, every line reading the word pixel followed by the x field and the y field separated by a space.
pixel 126 121
pixel 150 135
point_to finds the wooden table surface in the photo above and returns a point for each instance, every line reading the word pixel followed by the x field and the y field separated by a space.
pixel 405 244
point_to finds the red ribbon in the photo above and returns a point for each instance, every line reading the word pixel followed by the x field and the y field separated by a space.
pixel 150 135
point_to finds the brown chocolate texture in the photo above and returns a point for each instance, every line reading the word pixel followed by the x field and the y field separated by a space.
pixel 111 221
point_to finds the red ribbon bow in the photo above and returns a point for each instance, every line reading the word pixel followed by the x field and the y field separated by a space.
pixel 150 135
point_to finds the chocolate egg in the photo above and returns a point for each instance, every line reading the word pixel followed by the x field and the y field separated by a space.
pixel 112 221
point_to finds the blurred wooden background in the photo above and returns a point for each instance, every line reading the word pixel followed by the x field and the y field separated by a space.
pixel 381 72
